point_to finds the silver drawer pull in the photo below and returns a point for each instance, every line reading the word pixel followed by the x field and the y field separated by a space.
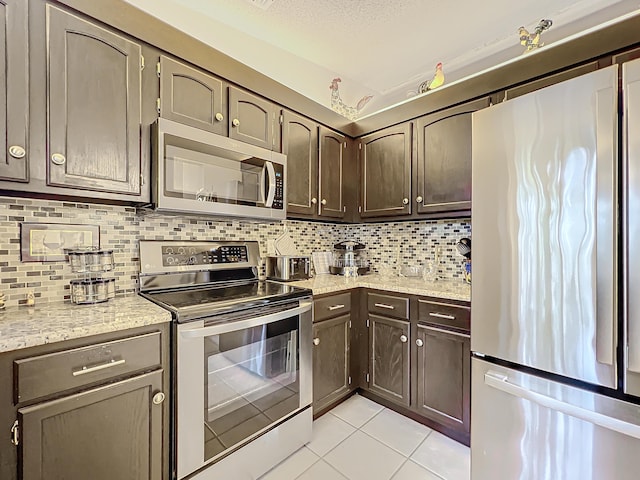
pixel 85 370
pixel 442 315
pixel 403 338
pixel 316 341
pixel 384 305
pixel 419 342
pixel 335 307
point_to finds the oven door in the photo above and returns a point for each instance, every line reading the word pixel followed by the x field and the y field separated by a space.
pixel 238 378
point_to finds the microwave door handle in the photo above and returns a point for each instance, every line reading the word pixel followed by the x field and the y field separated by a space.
pixel 270 172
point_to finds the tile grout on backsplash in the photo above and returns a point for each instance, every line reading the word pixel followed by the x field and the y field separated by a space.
pixel 121 227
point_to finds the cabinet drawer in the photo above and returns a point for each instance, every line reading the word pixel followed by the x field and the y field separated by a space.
pixel 332 306
pixel 388 305
pixel 446 314
pixel 56 372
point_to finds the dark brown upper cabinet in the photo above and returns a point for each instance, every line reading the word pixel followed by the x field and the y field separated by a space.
pixel 14 93
pixel 94 114
pixel 300 145
pixel 385 169
pixel 191 97
pixel 332 165
pixel 252 119
pixel 444 159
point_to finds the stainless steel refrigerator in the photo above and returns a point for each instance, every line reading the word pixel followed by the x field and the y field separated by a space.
pixel 555 299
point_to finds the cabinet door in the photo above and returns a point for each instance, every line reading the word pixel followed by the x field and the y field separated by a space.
pixel 444 159
pixel 331 377
pixel 385 182
pixel 300 145
pixel 106 433
pixel 190 96
pixel 332 158
pixel 251 119
pixel 14 87
pixel 443 368
pixel 94 106
pixel 389 358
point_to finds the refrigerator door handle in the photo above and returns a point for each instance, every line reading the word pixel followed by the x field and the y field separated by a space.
pixel 501 382
pixel 606 135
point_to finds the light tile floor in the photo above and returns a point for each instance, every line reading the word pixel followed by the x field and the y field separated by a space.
pixel 361 440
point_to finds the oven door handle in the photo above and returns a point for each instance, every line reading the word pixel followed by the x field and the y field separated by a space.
pixel 217 329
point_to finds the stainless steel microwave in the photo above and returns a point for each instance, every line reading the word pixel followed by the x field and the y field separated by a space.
pixel 195 171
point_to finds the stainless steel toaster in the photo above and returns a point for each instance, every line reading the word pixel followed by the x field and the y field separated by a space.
pixel 287 268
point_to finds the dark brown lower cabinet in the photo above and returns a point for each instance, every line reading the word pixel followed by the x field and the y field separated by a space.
pixel 389 358
pixel 109 432
pixel 331 360
pixel 443 365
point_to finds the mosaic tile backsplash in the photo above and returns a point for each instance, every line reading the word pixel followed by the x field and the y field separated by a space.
pixel 388 244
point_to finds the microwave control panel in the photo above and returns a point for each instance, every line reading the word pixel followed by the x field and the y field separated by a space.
pixel 278 200
pixel 189 255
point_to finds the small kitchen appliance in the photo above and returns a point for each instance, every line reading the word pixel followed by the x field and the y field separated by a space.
pixel 349 259
pixel 288 268
pixel 241 353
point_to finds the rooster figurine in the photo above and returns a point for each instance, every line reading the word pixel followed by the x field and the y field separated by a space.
pixel 532 40
pixel 435 82
pixel 337 105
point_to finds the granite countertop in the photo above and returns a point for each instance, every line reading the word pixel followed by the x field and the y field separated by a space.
pixel 450 290
pixel 22 327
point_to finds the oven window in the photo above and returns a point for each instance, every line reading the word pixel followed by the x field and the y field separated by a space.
pixel 251 381
pixel 223 176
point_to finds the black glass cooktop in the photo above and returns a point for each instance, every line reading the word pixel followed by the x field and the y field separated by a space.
pixel 196 302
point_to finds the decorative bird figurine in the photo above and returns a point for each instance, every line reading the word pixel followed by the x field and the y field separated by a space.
pixel 337 105
pixel 531 41
pixel 435 82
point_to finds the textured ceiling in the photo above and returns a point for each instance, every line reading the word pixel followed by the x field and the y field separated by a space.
pixel 380 48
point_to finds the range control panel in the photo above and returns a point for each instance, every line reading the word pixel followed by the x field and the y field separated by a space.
pixel 176 255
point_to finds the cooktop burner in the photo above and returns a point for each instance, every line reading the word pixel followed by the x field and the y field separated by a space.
pixel 195 302
pixel 205 278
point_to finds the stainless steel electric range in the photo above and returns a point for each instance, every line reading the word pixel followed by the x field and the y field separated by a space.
pixel 241 357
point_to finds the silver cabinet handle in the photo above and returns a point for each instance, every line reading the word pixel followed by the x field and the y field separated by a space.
pixel 403 338
pixel 85 370
pixel 235 122
pixel 405 201
pixel 16 151
pixel 219 117
pixel 384 305
pixel 501 382
pixel 58 159
pixel 158 398
pixel 442 315
pixel 419 199
pixel 324 201
pixel 314 200
pixel 316 341
pixel 419 342
pixel 335 307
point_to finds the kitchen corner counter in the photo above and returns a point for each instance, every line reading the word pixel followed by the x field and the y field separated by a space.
pixel 22 327
pixel 450 290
